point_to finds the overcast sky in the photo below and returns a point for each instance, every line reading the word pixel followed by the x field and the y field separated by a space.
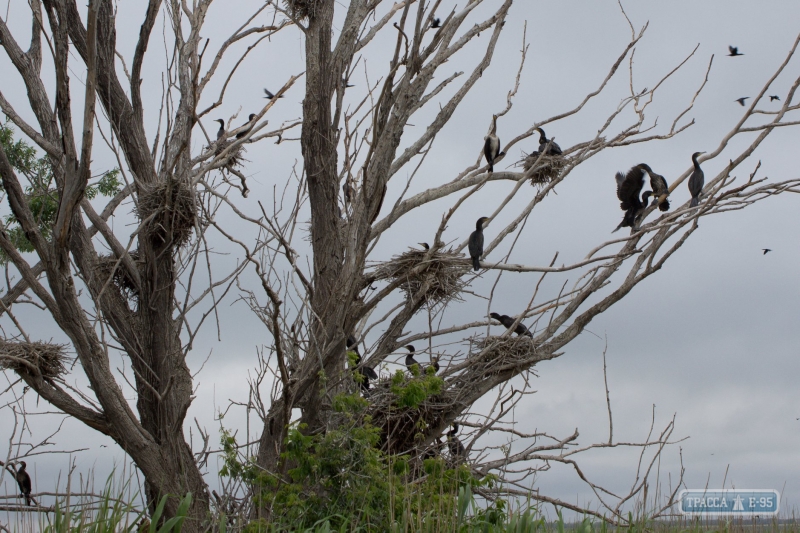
pixel 711 339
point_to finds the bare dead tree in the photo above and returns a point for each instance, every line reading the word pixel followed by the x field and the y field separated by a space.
pixel 141 301
pixel 310 312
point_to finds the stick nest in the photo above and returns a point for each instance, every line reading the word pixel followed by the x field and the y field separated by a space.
pixel 405 428
pixel 548 168
pixel 439 276
pixel 301 9
pixel 234 159
pixel 40 358
pixel 170 211
pixel 504 351
pixel 107 266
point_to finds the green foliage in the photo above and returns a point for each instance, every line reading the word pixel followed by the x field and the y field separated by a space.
pixel 40 192
pixel 411 393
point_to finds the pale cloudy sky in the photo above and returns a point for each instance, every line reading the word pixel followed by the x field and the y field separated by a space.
pixel 712 339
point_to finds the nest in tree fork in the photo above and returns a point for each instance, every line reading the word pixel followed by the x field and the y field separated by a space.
pixel 301 9
pixel 234 159
pixel 109 266
pixel 440 275
pixel 36 358
pixel 547 169
pixel 168 210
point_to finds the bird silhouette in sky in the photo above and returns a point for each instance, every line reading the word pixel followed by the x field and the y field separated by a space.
pixel 741 100
pixel 734 51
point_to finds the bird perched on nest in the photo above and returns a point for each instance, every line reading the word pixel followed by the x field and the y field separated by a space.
pixel 507 321
pixel 734 51
pixel 696 181
pixel 553 149
pixel 457 450
pixel 491 145
pixel 362 373
pixel 425 246
pixel 221 130
pixel 248 130
pixel 24 482
pixel 629 185
pixel 476 243
pixel 410 361
pixel 659 186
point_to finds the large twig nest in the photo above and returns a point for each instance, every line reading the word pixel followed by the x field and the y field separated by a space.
pixel 168 210
pixel 234 159
pixel 40 358
pixel 501 353
pixel 109 266
pixel 440 274
pixel 301 9
pixel 548 167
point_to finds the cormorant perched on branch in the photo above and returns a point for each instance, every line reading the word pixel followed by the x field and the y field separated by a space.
pixel 491 146
pixel 410 361
pixel 362 373
pixel 629 185
pixel 741 100
pixel 221 130
pixel 507 321
pixel 24 482
pixel 476 243
pixel 659 186
pixel 734 51
pixel 270 96
pixel 696 181
pixel 248 130
pixel 554 148
pixel 457 450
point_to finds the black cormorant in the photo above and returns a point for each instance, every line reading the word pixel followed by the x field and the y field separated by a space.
pixel 659 186
pixel 24 482
pixel 773 98
pixel 507 321
pixel 245 132
pixel 629 185
pixel 554 148
pixel 362 373
pixel 270 96
pixel 476 243
pixel 491 146
pixel 437 23
pixel 457 450
pixel 741 100
pixel 435 364
pixel 425 245
pixel 766 251
pixel 410 361
pixel 734 51
pixel 347 191
pixel 221 130
pixel 696 181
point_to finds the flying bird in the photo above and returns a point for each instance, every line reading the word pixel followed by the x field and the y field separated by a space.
pixel 629 186
pixel 476 244
pixel 491 146
pixel 437 23
pixel 734 51
pixel 248 130
pixel 553 149
pixel 696 181
pixel 741 100
pixel 773 98
pixel 766 251
pixel 507 321
pixel 270 96
pixel 659 186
